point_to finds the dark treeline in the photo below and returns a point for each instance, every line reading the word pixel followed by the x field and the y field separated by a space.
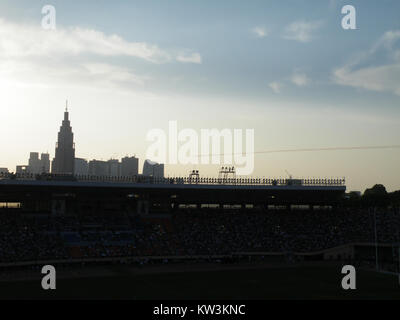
pixel 377 196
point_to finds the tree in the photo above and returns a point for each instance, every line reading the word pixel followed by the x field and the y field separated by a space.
pixel 376 196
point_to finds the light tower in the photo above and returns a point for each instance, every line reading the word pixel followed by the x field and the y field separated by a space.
pixel 194 176
pixel 226 173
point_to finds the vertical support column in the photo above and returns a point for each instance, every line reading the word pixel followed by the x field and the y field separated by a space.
pixel 146 206
pixel 58 207
pixel 139 206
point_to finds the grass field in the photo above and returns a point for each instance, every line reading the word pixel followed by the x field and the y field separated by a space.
pixel 315 282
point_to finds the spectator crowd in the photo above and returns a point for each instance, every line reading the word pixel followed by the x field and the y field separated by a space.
pixel 28 237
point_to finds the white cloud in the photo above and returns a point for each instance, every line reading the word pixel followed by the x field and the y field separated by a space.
pixel 371 71
pixel 389 38
pixel 19 40
pixel 260 32
pixel 300 79
pixel 297 78
pixel 32 56
pixel 382 78
pixel 191 58
pixel 275 86
pixel 26 73
pixel 301 31
pixel 112 73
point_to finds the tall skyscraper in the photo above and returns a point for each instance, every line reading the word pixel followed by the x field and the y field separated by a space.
pixel 81 166
pixel 114 167
pixel 129 166
pixel 153 169
pixel 34 163
pixel 45 162
pixel 65 148
pixel 98 168
pixel 39 165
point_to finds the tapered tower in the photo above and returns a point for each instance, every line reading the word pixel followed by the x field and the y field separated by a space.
pixel 64 159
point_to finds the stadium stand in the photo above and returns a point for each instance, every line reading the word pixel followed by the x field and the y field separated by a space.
pixel 32 237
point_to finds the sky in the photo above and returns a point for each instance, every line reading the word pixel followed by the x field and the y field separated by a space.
pixel 286 69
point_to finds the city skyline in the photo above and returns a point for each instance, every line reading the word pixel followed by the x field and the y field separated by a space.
pixel 290 72
pixel 66 162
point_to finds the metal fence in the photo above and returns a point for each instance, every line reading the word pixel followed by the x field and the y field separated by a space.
pixel 178 180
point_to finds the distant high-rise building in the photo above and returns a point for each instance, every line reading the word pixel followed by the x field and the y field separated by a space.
pixel 129 166
pixel 98 168
pixel 34 162
pixel 114 167
pixel 45 162
pixel 81 166
pixel 153 169
pixel 22 169
pixel 38 165
pixel 64 159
